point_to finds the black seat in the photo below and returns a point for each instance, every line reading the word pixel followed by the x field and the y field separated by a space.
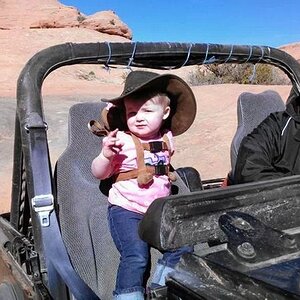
pixel 83 208
pixel 252 109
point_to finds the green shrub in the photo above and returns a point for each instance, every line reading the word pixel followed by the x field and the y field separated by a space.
pixel 238 73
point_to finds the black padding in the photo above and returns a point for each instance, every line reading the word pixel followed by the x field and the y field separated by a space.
pixel 82 207
pixel 191 178
pixel 192 218
pixel 252 109
pixel 149 227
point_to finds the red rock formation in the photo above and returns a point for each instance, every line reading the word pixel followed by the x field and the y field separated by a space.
pixel 107 22
pixel 40 14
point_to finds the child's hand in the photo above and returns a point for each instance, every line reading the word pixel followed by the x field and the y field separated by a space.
pixel 111 145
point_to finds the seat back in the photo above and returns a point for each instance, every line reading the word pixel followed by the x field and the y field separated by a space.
pixel 252 109
pixel 82 207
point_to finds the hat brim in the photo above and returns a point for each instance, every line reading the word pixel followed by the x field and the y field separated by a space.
pixel 183 102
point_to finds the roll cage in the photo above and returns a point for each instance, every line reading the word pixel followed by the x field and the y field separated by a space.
pixel 33 207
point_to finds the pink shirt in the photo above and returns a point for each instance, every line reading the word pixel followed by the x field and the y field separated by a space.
pixel 128 194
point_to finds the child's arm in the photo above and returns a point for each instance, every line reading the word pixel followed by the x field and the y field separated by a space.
pixel 102 164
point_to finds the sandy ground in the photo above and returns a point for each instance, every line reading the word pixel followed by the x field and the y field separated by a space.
pixel 205 145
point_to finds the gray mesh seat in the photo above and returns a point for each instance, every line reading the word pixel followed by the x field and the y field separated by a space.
pixel 252 109
pixel 83 208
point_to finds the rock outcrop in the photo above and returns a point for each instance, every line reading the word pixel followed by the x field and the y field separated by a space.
pixel 42 14
pixel 106 22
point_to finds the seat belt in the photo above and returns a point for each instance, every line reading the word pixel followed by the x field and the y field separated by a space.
pixel 57 258
pixel 58 263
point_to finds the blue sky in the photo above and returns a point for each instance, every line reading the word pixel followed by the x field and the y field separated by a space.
pixel 258 22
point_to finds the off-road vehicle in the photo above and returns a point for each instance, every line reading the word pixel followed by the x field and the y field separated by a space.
pixel 55 244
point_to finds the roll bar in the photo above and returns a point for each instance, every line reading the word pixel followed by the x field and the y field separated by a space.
pixel 146 55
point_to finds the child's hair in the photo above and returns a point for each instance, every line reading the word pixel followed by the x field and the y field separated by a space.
pixel 156 97
pixel 162 99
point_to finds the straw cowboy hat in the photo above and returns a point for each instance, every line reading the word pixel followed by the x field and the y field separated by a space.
pixel 183 103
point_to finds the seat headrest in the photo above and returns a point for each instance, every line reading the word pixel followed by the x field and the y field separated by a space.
pixel 252 109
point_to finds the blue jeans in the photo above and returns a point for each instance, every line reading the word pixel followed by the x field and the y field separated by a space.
pixel 135 253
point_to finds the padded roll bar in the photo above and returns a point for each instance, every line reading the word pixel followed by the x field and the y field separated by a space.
pixel 146 55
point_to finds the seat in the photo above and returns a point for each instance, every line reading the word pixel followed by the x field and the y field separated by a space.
pixel 83 208
pixel 252 109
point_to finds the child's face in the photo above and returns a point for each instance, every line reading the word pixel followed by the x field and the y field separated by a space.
pixel 144 117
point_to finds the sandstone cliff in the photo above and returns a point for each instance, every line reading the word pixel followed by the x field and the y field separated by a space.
pixel 42 14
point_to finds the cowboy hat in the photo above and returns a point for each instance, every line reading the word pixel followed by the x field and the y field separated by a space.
pixel 183 103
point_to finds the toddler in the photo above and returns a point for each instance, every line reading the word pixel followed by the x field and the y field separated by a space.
pixel 154 108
